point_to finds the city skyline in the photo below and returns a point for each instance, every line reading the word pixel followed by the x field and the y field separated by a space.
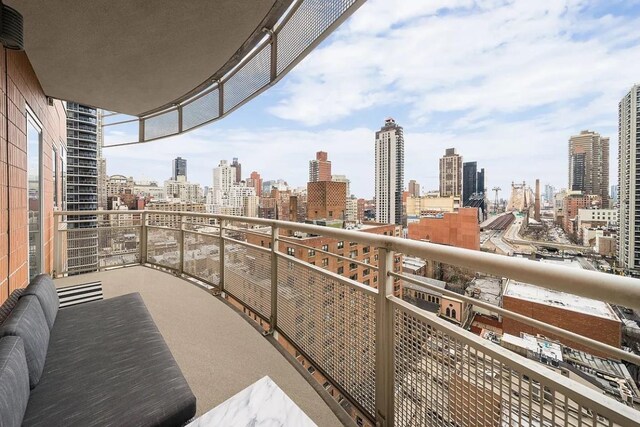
pixel 518 133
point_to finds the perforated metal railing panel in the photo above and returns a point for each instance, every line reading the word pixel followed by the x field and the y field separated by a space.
pixel 253 76
pixel 441 380
pixel 202 257
pixel 305 26
pixel 247 276
pixel 201 110
pixel 333 324
pixel 163 247
pixel 118 246
pixel 164 124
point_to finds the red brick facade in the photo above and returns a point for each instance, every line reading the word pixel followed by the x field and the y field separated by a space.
pixel 326 200
pixel 460 229
pixel 19 87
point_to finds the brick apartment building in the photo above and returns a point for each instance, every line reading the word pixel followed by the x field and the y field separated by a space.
pixel 356 251
pixel 460 229
pixel 326 200
pixel 586 317
pixel 571 204
pixel 320 168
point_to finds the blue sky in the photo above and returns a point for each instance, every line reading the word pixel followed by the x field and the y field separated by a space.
pixel 505 82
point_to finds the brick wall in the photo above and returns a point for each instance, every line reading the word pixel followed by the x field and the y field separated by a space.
pixel 607 331
pixel 459 229
pixel 24 89
pixel 326 200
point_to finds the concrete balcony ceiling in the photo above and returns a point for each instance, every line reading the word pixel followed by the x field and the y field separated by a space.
pixel 137 57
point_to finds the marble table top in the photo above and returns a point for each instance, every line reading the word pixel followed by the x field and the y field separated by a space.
pixel 262 404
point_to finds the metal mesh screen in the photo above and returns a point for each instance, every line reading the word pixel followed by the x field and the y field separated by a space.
pixel 251 77
pixel 118 246
pixel 247 276
pixel 334 324
pixel 202 257
pixel 201 110
pixel 82 249
pixel 312 18
pixel 163 247
pixel 441 380
pixel 164 124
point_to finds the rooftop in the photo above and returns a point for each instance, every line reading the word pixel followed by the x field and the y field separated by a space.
pixel 554 298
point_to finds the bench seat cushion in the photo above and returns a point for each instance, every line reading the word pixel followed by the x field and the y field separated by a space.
pixel 14 381
pixel 107 364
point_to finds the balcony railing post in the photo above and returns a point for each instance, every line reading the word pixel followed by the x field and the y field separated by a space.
pixel 221 255
pixel 57 246
pixel 385 342
pixel 273 320
pixel 181 245
pixel 143 238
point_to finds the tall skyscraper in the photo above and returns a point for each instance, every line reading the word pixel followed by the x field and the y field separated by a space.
pixel 179 168
pixel 238 167
pixel 389 173
pixel 628 174
pixel 320 168
pixel 480 182
pixel 450 173
pixel 83 125
pixel 414 188
pixel 589 165
pixel 469 181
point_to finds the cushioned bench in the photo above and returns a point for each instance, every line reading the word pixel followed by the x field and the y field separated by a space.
pixel 99 363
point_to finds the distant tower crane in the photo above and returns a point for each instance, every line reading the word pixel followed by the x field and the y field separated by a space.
pixel 495 204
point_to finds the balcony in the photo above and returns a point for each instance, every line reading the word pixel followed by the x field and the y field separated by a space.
pixel 227 281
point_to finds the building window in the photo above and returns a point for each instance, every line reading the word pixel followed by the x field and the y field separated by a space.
pixel 352 243
pixel 325 248
pixel 340 270
pixel 359 421
pixel 365 272
pixel 311 369
pixel 353 266
pixel 366 250
pixel 366 282
pixel 354 277
pixel 353 254
pixel 34 194
pixel 312 252
pixel 325 262
pixel 291 251
pixel 341 244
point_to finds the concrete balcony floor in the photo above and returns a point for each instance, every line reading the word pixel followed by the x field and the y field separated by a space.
pixel 219 352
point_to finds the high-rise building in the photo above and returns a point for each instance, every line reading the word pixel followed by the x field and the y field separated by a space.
pixel 614 193
pixel 469 181
pixel 238 167
pixel 480 182
pixel 224 177
pixel 83 125
pixel 628 174
pixel 183 190
pixel 414 188
pixel 320 168
pixel 549 193
pixel 179 168
pixel 589 165
pixel 450 173
pixel 255 181
pixel 389 173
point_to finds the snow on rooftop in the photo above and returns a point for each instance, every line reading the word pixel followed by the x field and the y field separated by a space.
pixel 564 300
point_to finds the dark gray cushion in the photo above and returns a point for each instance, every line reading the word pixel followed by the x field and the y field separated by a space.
pixel 27 322
pixel 109 365
pixel 42 286
pixel 7 306
pixel 14 382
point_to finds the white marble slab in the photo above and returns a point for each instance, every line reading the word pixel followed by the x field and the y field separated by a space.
pixel 262 404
